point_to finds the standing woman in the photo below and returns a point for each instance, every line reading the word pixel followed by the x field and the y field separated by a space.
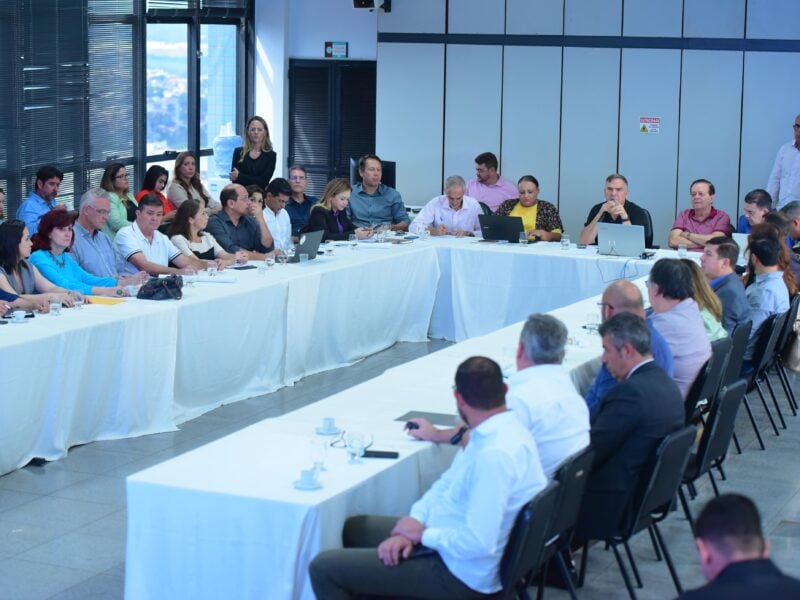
pixel 539 218
pixel 155 180
pixel 122 211
pixel 186 184
pixel 254 163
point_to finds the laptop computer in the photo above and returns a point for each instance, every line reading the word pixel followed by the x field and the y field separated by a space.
pixel 495 228
pixel 620 240
pixel 309 244
pixel 741 239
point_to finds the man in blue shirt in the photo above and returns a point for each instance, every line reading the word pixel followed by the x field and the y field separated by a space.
pixel 42 199
pixel 373 203
pixel 300 203
pixel 768 295
pixel 717 263
pixel 792 213
pixel 757 203
pixel 624 297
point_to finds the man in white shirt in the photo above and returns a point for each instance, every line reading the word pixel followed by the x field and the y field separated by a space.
pixel 275 215
pixel 453 213
pixel 784 180
pixel 488 186
pixel 142 247
pixel 458 530
pixel 541 394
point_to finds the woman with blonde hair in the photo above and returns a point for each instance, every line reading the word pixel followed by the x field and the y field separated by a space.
pixel 186 184
pixel 708 302
pixel 254 162
pixel 330 216
pixel 122 209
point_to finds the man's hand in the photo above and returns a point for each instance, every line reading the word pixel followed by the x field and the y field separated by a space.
pixel 394 549
pixel 440 230
pixel 424 431
pixel 240 256
pixel 409 528
pixel 618 211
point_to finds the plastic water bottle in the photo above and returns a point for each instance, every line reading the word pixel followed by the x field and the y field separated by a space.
pixel 224 145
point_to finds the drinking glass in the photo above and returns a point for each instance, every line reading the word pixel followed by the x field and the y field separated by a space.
pixel 523 237
pixel 355 447
pixel 281 258
pixel 353 240
pixel 55 308
pixel 319 452
pixel 565 242
pixel 189 275
pixel 270 261
pixel 79 302
pixel 682 251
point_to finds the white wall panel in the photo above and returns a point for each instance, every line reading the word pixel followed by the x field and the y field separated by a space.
pixel 711 96
pixel 713 18
pixel 408 120
pixel 773 19
pixel 417 16
pixel 312 23
pixel 650 82
pixel 588 131
pixel 654 18
pixel 770 104
pixel 535 17
pixel 472 106
pixel 476 16
pixel 593 17
pixel 532 116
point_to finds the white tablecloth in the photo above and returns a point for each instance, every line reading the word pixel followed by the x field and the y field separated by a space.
pixel 225 521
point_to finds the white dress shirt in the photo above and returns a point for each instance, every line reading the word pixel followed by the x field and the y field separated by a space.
pixel 130 240
pixel 784 181
pixel 468 513
pixel 544 398
pixel 280 226
pixel 438 212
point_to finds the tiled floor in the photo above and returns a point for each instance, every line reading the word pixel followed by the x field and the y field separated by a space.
pixel 62 526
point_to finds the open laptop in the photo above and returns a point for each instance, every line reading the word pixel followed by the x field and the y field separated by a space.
pixel 620 240
pixel 495 228
pixel 309 244
pixel 741 239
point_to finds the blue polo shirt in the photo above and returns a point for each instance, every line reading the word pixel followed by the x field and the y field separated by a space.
pixel 32 210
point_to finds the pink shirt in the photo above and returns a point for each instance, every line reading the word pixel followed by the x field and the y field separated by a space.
pixel 492 195
pixel 717 220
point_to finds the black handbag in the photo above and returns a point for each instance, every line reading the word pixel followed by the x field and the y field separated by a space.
pixel 162 288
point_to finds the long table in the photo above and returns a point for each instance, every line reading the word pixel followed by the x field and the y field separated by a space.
pixel 207 524
pixel 107 372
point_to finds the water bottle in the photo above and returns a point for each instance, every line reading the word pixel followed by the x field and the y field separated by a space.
pixel 224 145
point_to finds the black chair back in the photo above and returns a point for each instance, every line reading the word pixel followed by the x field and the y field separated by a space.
pixel 706 384
pixel 572 475
pixel 788 326
pixel 665 476
pixel 739 337
pixel 648 229
pixel 719 427
pixel 768 335
pixel 527 539
pixel 485 208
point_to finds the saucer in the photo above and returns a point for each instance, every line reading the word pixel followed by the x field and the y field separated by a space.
pixel 298 485
pixel 18 322
pixel 334 431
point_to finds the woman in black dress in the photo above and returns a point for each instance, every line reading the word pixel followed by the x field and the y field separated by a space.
pixel 254 162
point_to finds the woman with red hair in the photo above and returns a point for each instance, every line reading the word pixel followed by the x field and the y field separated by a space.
pixel 50 256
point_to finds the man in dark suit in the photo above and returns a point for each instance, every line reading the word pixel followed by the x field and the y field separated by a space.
pixel 718 263
pixel 637 413
pixel 734 554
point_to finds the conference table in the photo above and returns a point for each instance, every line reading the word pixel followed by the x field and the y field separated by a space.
pixel 224 520
pixel 141 367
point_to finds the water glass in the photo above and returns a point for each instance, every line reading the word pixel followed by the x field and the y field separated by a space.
pixel 281 258
pixel 319 452
pixel 329 248
pixel 211 270
pixel 565 242
pixel 55 308
pixel 356 443
pixel 523 237
pixel 303 257
pixel 79 302
pixel 270 261
pixel 352 239
pixel 682 251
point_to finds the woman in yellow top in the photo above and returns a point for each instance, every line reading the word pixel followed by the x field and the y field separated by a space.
pixel 539 218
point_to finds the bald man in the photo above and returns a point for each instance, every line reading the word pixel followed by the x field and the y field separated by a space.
pixel 624 297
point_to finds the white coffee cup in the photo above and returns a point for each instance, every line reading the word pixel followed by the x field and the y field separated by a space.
pixel 19 316
pixel 328 424
pixel 308 477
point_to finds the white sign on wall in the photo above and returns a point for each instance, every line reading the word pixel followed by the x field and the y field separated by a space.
pixel 649 124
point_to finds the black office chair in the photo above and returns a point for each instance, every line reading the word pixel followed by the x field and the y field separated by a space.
pixel 733 370
pixel 707 382
pixel 783 342
pixel 715 440
pixel 524 549
pixel 651 505
pixel 648 230
pixel 485 208
pixel 768 335
pixel 572 476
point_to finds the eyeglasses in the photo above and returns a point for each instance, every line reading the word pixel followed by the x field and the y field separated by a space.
pixel 795 126
pixel 298 177
pixel 100 211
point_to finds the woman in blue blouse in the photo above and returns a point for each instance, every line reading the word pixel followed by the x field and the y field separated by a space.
pixel 52 260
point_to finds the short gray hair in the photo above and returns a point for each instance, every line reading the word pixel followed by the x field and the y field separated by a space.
pixel 455 181
pixel 91 195
pixel 792 210
pixel 543 338
pixel 627 328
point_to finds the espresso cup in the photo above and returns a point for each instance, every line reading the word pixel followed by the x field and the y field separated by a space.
pixel 308 477
pixel 328 424
pixel 19 316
